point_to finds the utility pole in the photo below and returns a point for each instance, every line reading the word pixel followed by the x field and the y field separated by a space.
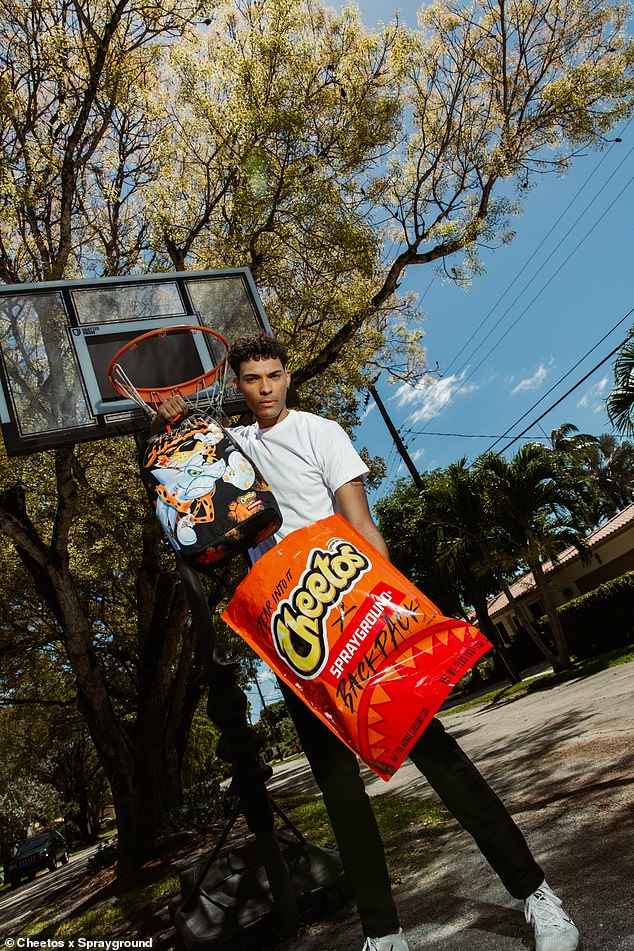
pixel 398 442
pixel 418 482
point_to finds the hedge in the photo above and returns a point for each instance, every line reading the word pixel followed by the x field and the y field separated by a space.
pixel 602 619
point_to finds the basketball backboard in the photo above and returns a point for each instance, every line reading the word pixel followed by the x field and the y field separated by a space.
pixel 57 340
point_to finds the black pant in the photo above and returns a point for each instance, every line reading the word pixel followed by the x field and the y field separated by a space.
pixel 457 782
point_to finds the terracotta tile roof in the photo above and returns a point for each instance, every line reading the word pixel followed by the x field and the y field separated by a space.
pixel 594 539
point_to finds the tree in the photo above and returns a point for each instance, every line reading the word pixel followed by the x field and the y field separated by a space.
pixel 609 464
pixel 73 768
pixel 406 522
pixel 43 737
pixel 309 144
pixel 537 515
pixel 70 75
pixel 200 761
pixel 117 613
pixel 601 468
pixel 620 402
pixel 446 537
pixel 275 115
pixel 24 802
pixel 467 541
pixel 435 534
pixel 498 91
pixel 276 729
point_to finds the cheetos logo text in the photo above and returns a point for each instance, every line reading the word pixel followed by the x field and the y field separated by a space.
pixel 298 625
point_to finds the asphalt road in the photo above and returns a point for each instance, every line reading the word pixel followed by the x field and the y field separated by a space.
pixel 20 906
pixel 563 761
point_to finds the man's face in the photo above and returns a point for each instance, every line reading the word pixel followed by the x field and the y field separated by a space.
pixel 264 384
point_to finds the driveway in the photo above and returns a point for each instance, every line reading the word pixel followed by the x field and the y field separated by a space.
pixel 562 760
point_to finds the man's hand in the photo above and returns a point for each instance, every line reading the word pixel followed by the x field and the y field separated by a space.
pixel 168 412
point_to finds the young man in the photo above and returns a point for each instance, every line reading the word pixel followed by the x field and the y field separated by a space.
pixel 314 470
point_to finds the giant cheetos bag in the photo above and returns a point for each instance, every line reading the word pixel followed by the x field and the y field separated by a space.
pixel 370 654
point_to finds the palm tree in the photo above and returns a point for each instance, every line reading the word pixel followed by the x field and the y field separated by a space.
pixel 620 402
pixel 456 509
pixel 424 527
pixel 534 507
pixel 609 464
pixel 567 439
pixel 405 522
pixel 600 468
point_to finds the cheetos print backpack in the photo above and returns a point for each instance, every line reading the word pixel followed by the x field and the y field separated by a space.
pixel 208 495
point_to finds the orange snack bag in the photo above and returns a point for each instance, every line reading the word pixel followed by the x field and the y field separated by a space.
pixel 368 653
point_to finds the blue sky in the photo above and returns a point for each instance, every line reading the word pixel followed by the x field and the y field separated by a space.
pixel 545 301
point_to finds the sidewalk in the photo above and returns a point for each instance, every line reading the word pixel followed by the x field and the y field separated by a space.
pixel 562 760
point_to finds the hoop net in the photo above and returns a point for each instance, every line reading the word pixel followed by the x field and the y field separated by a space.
pixel 204 392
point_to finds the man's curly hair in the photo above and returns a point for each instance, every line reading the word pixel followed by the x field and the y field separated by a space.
pixel 255 346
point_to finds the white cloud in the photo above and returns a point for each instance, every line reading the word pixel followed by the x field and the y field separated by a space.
pixel 370 408
pixel 428 398
pixel 594 398
pixel 531 382
pixel 418 455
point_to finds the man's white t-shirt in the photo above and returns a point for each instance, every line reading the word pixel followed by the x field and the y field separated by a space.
pixel 304 459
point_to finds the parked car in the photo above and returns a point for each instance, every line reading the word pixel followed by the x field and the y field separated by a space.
pixel 37 853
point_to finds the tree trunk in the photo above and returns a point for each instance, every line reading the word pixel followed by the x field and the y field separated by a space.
pixel 487 626
pixel 541 582
pixel 521 611
pixel 135 808
pixel 86 831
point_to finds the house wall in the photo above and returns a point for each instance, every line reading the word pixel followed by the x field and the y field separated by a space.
pixel 606 572
pixel 610 559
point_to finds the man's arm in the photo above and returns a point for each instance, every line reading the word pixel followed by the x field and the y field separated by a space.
pixel 353 505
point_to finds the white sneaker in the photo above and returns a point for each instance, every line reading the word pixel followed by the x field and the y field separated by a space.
pixel 389 942
pixel 554 928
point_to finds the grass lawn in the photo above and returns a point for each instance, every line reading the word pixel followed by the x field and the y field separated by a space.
pixel 579 669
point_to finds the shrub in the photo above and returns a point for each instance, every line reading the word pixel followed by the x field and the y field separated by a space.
pixel 202 803
pixel 106 856
pixel 600 620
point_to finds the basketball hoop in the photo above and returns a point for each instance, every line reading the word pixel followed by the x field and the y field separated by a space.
pixel 204 391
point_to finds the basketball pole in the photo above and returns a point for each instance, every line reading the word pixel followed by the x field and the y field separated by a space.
pixel 239 744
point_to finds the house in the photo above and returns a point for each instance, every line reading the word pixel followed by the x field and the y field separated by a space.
pixel 612 547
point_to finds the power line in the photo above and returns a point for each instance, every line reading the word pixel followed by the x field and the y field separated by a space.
pixel 538 247
pixel 467 435
pixel 567 393
pixel 398 439
pixel 543 288
pixel 464 382
pixel 561 379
